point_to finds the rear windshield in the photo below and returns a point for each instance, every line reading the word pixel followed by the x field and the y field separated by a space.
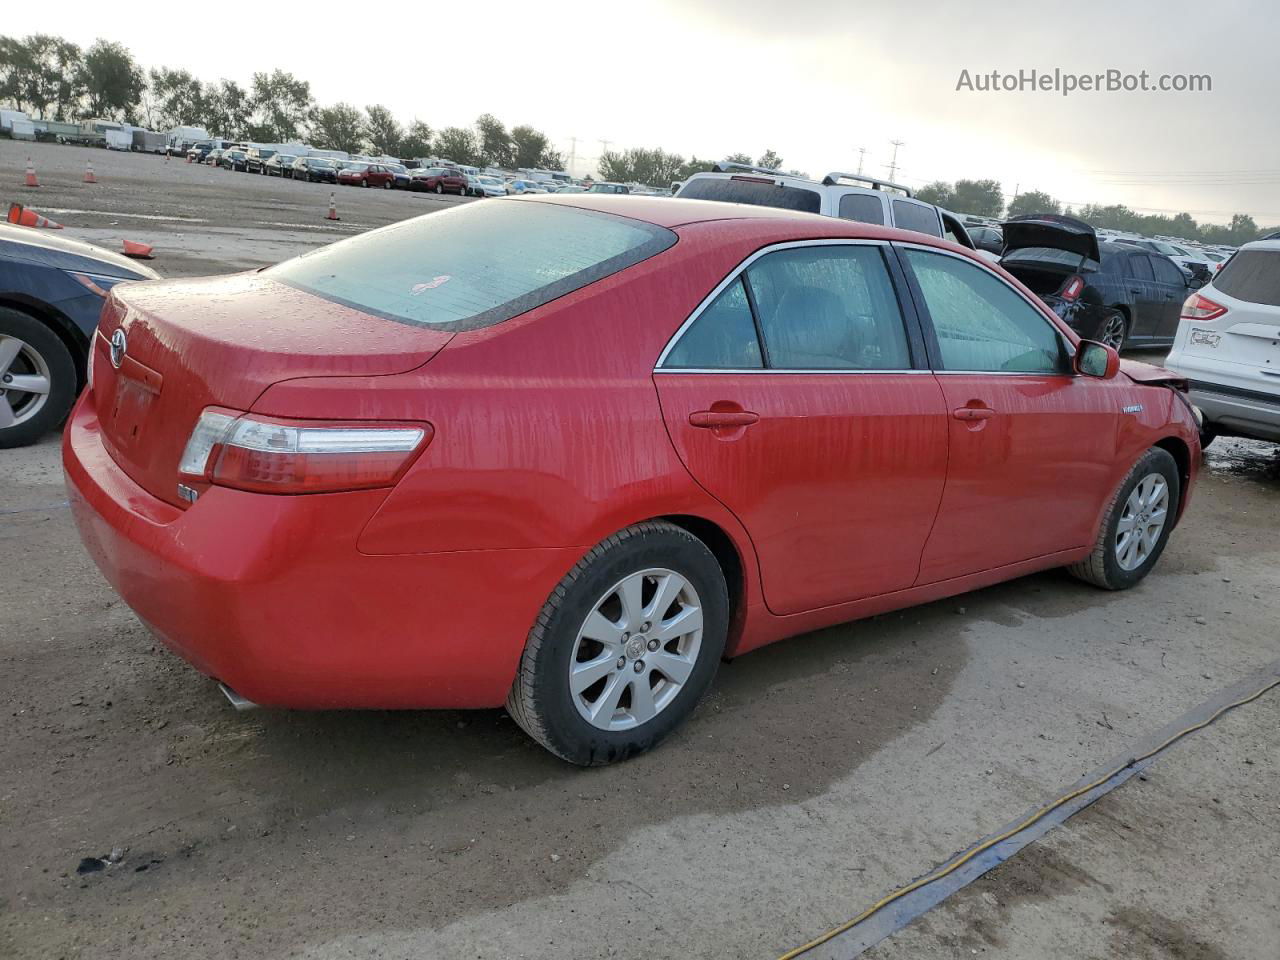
pixel 1253 276
pixel 761 193
pixel 474 265
pixel 1050 257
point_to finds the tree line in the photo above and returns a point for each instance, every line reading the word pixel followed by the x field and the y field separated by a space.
pixel 984 198
pixel 54 79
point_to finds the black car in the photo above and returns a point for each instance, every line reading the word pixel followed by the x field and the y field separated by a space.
pixel 51 293
pixel 1116 293
pixel 986 237
pixel 257 159
pixel 281 165
pixel 315 169
pixel 234 160
pixel 199 151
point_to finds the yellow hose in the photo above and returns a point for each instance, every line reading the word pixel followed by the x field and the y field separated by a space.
pixel 1035 817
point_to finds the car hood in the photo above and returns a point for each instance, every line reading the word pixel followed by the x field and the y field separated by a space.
pixel 1052 231
pixel 47 249
pixel 1149 373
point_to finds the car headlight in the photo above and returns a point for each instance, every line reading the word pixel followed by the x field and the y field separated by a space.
pixel 96 283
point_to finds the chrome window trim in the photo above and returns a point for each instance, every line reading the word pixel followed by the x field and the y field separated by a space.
pixel 733 275
pixel 1038 307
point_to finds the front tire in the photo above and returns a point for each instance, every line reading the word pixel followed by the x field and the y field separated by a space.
pixel 37 379
pixel 439 188
pixel 1136 526
pixel 624 647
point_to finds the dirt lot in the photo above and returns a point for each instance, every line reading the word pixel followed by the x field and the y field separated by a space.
pixel 820 773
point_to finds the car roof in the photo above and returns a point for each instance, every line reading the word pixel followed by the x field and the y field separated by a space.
pixel 1261 245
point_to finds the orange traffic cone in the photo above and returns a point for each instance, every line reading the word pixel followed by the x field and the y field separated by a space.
pixel 188 158
pixel 29 218
pixel 333 209
pixel 31 175
pixel 88 173
pixel 139 251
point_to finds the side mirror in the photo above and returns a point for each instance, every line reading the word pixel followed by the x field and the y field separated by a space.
pixel 1096 360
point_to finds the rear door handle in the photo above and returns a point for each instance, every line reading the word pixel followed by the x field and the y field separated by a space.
pixel 714 419
pixel 973 413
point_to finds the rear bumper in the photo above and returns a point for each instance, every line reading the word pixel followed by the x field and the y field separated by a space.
pixel 270 595
pixel 1233 397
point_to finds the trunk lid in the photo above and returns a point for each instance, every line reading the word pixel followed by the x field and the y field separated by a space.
pixel 1051 231
pixel 221 341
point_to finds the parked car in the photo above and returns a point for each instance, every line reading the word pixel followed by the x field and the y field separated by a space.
pixel 579 512
pixel 845 195
pixel 279 165
pixel 1228 346
pixel 51 293
pixel 518 186
pixel 199 151
pixel 1191 267
pixel 315 169
pixel 257 158
pixel 572 188
pixel 439 180
pixel 603 186
pixel 234 160
pixel 986 238
pixel 401 174
pixel 1115 293
pixel 213 156
pixel 485 186
pixel 366 175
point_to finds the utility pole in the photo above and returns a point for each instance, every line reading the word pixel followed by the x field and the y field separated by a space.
pixel 893 165
pixel 573 153
pixel 862 153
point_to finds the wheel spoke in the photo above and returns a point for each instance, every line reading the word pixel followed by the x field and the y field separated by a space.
pixel 632 604
pixel 603 709
pixel 642 705
pixel 1126 523
pixel 669 587
pixel 27 383
pixel 686 621
pixel 9 349
pixel 585 674
pixel 601 628
pixel 672 666
pixel 7 419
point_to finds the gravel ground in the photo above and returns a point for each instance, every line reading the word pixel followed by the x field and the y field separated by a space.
pixel 819 774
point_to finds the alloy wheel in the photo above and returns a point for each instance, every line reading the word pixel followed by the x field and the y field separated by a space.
pixel 636 649
pixel 1113 331
pixel 24 381
pixel 1142 521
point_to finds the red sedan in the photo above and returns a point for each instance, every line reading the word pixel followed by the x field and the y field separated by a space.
pixel 565 453
pixel 367 175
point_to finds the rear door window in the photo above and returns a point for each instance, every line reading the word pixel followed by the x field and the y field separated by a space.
pixel 829 307
pixel 981 323
pixel 723 337
pixel 475 265
pixel 1140 267
pixel 1167 272
pixel 910 215
pixel 1252 276
pixel 753 190
pixel 862 207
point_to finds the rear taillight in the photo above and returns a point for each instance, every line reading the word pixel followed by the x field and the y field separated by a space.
pixel 1073 289
pixel 269 455
pixel 1197 307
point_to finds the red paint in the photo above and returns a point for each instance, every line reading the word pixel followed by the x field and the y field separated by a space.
pixel 843 495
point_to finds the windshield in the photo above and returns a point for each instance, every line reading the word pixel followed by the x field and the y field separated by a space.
pixel 760 193
pixel 1168 249
pixel 475 265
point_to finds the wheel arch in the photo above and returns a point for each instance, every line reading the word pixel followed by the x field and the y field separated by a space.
pixel 1177 448
pixel 72 337
pixel 732 564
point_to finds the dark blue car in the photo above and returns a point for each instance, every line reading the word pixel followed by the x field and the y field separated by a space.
pixel 51 293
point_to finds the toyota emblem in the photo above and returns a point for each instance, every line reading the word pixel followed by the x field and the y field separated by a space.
pixel 118 346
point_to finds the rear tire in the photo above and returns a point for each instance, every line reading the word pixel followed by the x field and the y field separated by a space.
pixel 1128 546
pixel 439 188
pixel 1113 330
pixel 665 566
pixel 31 353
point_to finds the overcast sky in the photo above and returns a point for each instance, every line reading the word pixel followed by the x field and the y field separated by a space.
pixel 812 79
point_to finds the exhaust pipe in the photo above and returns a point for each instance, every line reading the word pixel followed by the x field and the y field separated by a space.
pixel 237 701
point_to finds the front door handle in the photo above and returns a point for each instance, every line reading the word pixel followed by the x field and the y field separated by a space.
pixel 719 419
pixel 973 413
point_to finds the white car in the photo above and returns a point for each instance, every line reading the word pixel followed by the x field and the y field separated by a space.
pixel 517 187
pixel 847 195
pixel 485 186
pixel 1228 346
